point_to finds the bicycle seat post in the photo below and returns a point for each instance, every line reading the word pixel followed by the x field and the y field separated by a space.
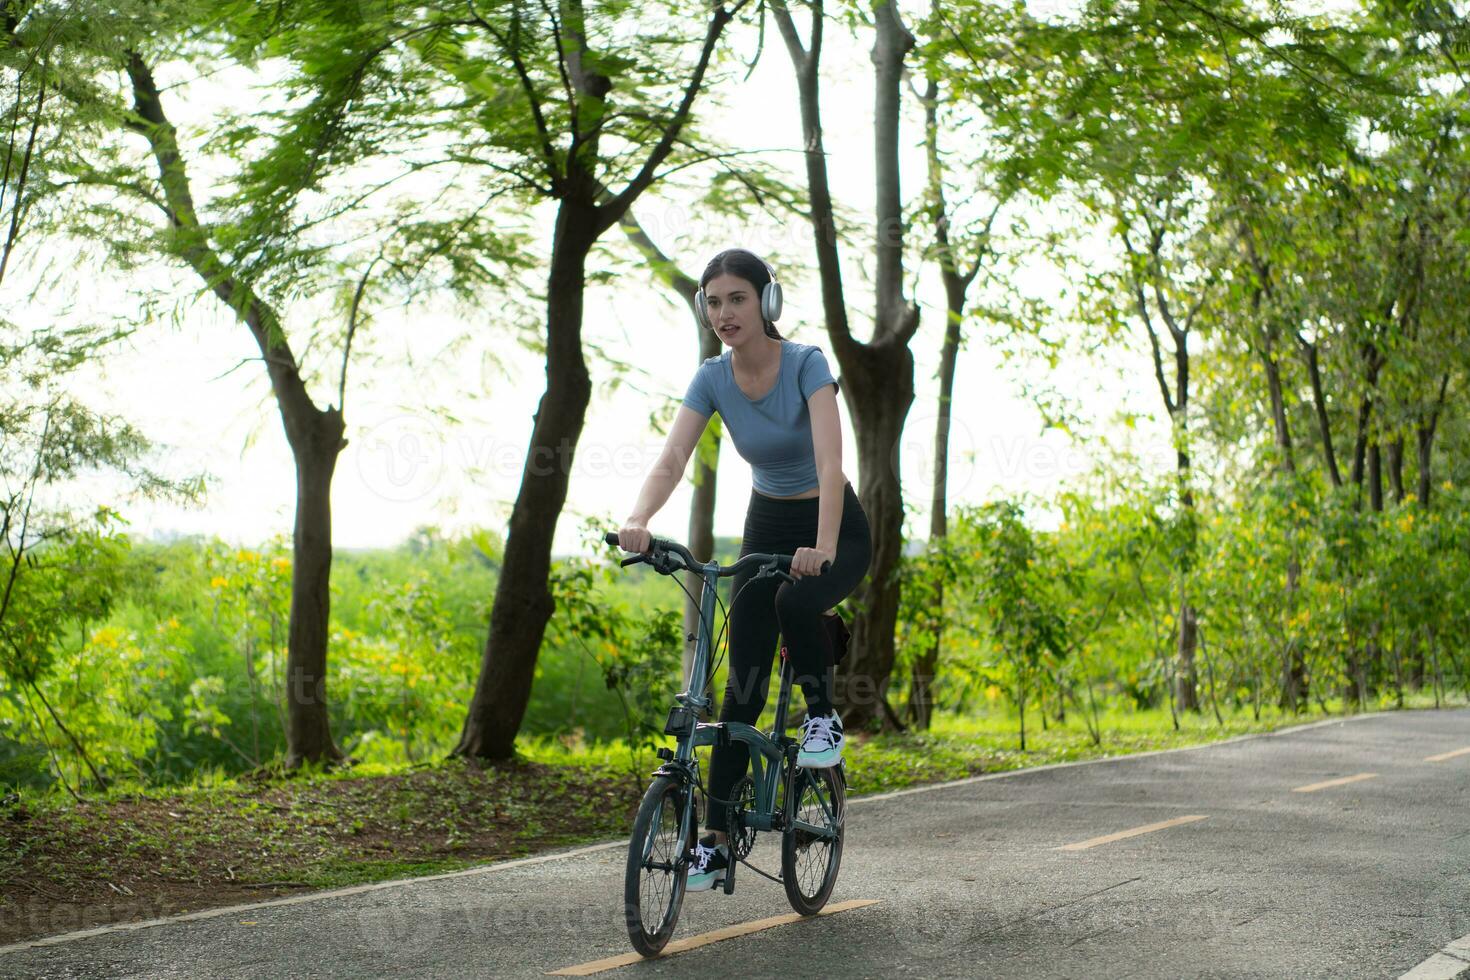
pixel 783 701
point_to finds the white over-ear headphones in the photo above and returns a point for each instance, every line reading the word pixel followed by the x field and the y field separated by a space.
pixel 770 296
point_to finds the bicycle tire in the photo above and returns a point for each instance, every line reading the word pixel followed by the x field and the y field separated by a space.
pixel 809 865
pixel 655 868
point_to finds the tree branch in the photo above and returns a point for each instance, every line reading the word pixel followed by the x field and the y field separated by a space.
pixel 18 196
pixel 1153 337
pixel 511 45
pixel 619 204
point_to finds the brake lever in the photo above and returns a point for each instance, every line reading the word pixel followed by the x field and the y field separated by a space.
pixel 770 570
pixel 632 561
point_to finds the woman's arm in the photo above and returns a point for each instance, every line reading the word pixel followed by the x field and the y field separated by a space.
pixel 667 470
pixel 827 447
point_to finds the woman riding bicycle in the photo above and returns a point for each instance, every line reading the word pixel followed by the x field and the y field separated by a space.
pixel 778 401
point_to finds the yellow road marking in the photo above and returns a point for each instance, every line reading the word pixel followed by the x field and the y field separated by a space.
pixel 704 939
pixel 1446 755
pixel 1120 835
pixel 1313 787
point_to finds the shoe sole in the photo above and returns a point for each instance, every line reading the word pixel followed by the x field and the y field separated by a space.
pixel 702 883
pixel 825 760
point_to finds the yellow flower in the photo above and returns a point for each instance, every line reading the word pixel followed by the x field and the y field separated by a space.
pixel 992 692
pixel 107 636
pixel 245 554
pixel 218 582
pixel 281 563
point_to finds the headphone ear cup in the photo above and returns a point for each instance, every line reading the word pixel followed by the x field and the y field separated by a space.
pixel 701 309
pixel 771 300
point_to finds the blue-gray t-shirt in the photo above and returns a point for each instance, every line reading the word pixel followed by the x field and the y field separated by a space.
pixel 773 433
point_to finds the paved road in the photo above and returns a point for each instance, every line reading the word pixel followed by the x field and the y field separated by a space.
pixel 1363 879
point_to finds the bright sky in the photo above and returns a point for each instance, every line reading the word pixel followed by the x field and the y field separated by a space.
pixel 407 466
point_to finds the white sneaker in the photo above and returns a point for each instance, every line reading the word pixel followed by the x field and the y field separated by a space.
pixel 707 865
pixel 821 742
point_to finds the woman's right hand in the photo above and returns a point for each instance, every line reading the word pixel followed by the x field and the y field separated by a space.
pixel 633 536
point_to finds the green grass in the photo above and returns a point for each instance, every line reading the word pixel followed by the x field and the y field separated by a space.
pixel 958 746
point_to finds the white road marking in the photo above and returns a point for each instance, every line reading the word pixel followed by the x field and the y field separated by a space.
pixel 1313 787
pixel 1449 962
pixel 1134 832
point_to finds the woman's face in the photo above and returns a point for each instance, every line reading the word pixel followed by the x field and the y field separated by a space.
pixel 734 309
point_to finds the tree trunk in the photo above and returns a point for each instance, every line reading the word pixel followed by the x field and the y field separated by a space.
pixel 1287 461
pixel 1319 405
pixel 1365 418
pixel 316 440
pixel 1375 478
pixel 878 383
pixel 1186 681
pixel 1424 439
pixel 1396 468
pixel 523 602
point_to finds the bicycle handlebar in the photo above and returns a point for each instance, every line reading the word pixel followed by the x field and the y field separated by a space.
pixel 663 546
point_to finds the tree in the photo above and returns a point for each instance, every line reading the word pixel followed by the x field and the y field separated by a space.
pixel 254 242
pixel 877 374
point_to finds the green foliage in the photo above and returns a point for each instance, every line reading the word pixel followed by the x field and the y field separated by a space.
pixel 638 656
pixel 1021 600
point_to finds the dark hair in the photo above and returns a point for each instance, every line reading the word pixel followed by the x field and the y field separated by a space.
pixel 745 265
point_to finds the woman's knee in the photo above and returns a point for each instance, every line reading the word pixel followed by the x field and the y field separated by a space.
pixel 794 605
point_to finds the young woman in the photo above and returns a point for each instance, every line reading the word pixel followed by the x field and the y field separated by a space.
pixel 778 402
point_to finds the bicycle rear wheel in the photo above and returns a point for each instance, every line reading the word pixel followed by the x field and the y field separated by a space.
pixel 653 885
pixel 811 847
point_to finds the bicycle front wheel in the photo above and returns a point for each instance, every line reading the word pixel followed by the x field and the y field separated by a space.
pixel 811 847
pixel 653 886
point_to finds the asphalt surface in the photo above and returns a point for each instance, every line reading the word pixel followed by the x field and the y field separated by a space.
pixel 1359 880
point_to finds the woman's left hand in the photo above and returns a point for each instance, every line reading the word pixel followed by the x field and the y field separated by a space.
pixel 808 561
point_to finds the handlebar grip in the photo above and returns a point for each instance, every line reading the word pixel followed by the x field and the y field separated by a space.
pixel 826 567
pixel 611 537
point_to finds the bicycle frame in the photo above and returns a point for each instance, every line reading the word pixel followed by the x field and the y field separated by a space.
pixel 766 754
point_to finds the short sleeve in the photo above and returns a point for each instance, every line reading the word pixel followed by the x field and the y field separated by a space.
pixel 814 373
pixel 699 397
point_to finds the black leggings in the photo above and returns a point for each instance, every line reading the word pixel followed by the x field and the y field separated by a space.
pixel 779 527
